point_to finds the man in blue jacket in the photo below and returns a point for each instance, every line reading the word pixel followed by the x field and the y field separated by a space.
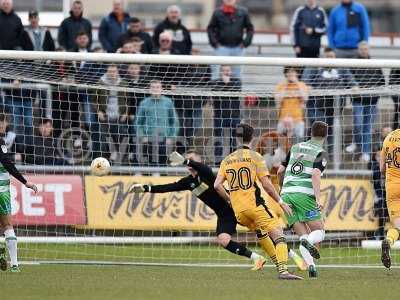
pixel 348 26
pixel 112 26
pixel 309 24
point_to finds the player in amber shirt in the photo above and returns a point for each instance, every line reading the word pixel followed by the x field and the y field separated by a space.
pixel 291 96
pixel 390 168
pixel 243 169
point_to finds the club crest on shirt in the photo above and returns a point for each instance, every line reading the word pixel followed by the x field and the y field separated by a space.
pixel 4 148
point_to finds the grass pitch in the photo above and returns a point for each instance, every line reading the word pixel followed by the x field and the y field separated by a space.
pixel 147 282
pixel 118 282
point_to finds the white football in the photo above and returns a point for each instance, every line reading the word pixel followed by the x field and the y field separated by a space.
pixel 100 166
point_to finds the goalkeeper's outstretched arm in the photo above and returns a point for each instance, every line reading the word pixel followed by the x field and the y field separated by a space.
pixel 160 188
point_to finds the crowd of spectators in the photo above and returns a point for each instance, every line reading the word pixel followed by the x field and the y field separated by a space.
pixel 151 122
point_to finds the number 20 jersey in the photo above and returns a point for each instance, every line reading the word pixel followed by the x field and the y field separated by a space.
pixel 391 155
pixel 241 170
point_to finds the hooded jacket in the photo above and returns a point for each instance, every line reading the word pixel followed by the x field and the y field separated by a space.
pixel 70 27
pixel 182 40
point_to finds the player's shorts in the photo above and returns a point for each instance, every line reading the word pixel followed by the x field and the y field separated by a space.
pixel 393 201
pixel 259 218
pixel 5 203
pixel 226 224
pixel 304 208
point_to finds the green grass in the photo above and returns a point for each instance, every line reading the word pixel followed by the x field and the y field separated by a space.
pixel 62 281
pixel 139 282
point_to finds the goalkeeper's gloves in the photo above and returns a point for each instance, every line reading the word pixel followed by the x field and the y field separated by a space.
pixel 139 188
pixel 175 159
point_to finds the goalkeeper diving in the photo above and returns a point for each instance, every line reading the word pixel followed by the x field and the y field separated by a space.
pixel 7 167
pixel 200 182
pixel 302 172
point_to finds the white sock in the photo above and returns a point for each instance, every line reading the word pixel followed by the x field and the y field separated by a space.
pixel 11 242
pixel 291 253
pixel 254 256
pixel 305 254
pixel 316 236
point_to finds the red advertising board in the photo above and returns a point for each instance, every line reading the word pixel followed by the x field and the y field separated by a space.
pixel 59 201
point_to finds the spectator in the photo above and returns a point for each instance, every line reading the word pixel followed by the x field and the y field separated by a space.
pixel 35 37
pixel 226 30
pixel 71 26
pixel 135 30
pixel 226 110
pixel 348 26
pixel 173 24
pixel 131 46
pixel 168 74
pixel 291 96
pixel 113 26
pixel 112 110
pixel 394 79
pixel 11 28
pixel 65 99
pixel 322 108
pixel 309 24
pixel 365 106
pixel 380 207
pixel 18 101
pixel 157 123
pixel 43 151
pixel 133 79
pixel 196 77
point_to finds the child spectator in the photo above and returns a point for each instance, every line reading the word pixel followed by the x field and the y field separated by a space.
pixel 291 96
pixel 157 123
pixel 75 23
pixel 181 39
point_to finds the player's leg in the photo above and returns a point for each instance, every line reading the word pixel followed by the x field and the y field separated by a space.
pixel 267 222
pixel 302 231
pixel 226 226
pixel 392 236
pixel 9 234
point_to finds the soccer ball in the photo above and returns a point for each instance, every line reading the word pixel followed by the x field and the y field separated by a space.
pixel 100 166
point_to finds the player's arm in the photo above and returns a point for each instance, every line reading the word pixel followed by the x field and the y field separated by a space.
pixel 318 168
pixel 282 169
pixel 382 162
pixel 205 171
pixel 10 168
pixel 219 187
pixel 263 177
pixel 177 186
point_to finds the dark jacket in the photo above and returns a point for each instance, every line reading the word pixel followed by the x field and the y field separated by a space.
pixel 368 78
pixel 147 46
pixel 305 17
pixel 133 98
pixel 46 40
pixel 348 25
pixel 11 31
pixel 226 106
pixel 110 30
pixel 43 151
pixel 70 27
pixel 228 31
pixel 394 77
pixel 180 34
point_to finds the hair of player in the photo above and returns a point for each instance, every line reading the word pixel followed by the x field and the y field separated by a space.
pixel 245 132
pixel 319 129
pixel 288 69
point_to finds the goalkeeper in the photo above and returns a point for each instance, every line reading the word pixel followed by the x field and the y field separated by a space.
pixel 302 171
pixel 201 183
pixel 6 168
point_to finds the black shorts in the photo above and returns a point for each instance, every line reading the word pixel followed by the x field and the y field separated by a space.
pixel 226 223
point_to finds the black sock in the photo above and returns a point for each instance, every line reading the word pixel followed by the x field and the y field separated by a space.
pixel 238 249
